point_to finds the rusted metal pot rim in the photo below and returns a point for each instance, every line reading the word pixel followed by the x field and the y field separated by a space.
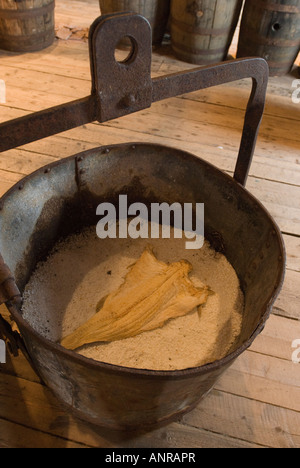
pixel 172 374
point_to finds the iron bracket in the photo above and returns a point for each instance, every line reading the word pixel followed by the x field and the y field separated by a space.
pixel 8 288
pixel 9 293
pixel 126 86
pixel 121 88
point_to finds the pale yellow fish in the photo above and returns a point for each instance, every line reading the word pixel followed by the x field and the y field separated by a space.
pixel 152 293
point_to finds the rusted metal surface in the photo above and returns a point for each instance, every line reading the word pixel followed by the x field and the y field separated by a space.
pixel 122 88
pixel 48 122
pixel 157 13
pixel 8 287
pixel 9 293
pixel 63 204
pixel 61 198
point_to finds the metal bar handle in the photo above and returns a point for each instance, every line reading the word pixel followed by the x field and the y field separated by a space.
pixel 11 296
pixel 201 78
pixel 126 87
pixel 121 88
pixel 9 292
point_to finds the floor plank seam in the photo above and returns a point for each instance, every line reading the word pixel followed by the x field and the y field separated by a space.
pixel 273 405
pixel 223 434
pixel 44 432
pixel 242 109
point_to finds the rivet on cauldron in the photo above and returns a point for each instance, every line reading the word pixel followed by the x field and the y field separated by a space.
pixel 82 171
pixel 46 171
pixel 80 158
pixel 21 186
pixel 128 101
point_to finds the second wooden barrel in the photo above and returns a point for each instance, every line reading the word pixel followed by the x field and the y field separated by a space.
pixel 202 30
pixel 156 11
pixel 271 29
pixel 26 25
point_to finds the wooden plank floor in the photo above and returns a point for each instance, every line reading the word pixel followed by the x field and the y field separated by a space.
pixel 257 401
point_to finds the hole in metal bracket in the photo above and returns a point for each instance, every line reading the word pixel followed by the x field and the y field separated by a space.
pixel 126 50
pixel 276 27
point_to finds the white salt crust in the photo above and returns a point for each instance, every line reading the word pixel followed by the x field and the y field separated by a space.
pixel 64 291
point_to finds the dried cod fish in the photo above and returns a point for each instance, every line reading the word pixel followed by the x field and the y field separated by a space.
pixel 153 292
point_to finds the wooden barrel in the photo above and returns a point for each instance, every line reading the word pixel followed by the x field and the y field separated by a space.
pixel 26 25
pixel 271 29
pixel 156 11
pixel 202 30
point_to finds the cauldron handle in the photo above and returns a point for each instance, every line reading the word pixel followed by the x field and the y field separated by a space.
pixel 11 296
pixel 214 75
pixel 126 87
pixel 121 88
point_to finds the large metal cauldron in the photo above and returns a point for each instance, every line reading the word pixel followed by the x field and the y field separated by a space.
pixel 62 198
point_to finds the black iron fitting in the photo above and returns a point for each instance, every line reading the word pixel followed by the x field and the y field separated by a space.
pixel 8 288
pixel 9 293
pixel 121 87
pixel 125 87
pixel 11 338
